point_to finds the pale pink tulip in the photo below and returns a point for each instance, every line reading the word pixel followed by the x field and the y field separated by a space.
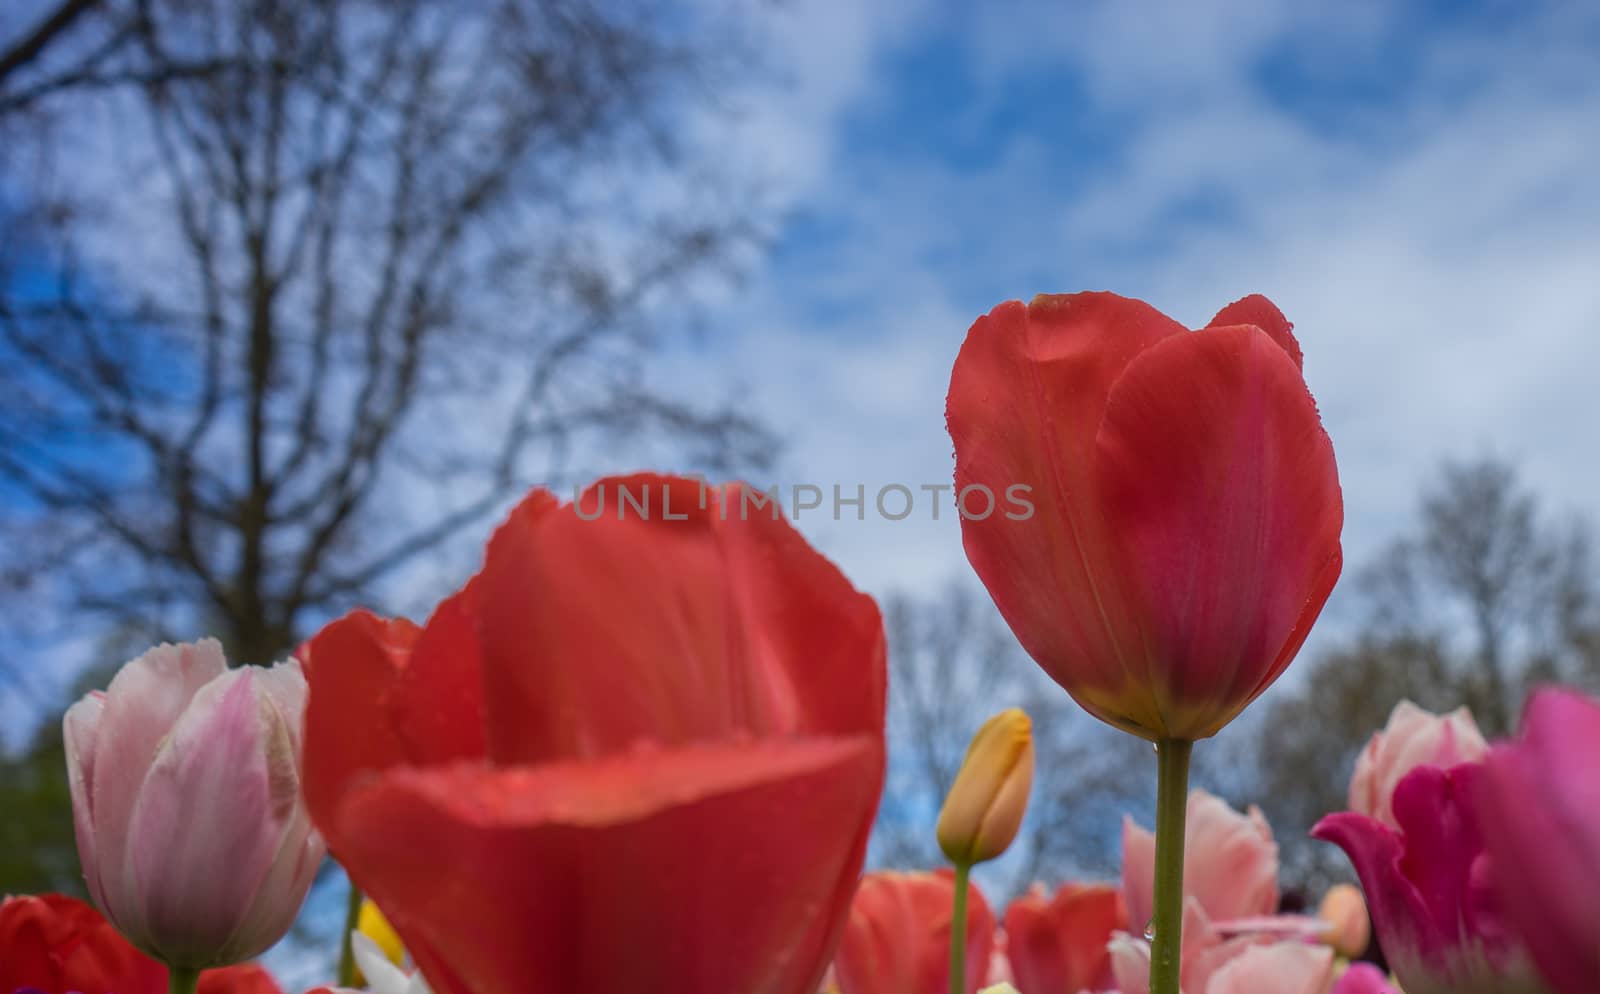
pixel 1253 965
pixel 1276 968
pixel 186 799
pixel 1412 738
pixel 1230 865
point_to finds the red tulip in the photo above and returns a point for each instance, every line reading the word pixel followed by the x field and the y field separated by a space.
pixel 898 937
pixel 58 944
pixel 1057 945
pixel 1155 512
pixel 638 752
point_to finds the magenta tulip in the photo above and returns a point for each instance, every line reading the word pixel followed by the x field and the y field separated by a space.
pixel 186 798
pixel 1443 930
pixel 1538 806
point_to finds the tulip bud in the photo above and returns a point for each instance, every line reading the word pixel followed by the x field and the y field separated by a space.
pixel 1349 929
pixel 985 805
pixel 186 800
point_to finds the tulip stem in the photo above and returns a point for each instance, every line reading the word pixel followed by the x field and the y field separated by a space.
pixel 958 932
pixel 347 949
pixel 182 980
pixel 1166 926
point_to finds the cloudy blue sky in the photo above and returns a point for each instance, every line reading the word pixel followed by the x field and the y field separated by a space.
pixel 1414 184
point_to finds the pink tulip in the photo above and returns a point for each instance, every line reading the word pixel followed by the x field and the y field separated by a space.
pixel 1413 737
pixel 1364 978
pixel 1426 884
pixel 1538 806
pixel 1237 966
pixel 186 798
pixel 897 939
pixel 1230 865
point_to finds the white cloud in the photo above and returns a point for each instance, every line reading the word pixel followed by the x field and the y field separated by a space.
pixel 1435 250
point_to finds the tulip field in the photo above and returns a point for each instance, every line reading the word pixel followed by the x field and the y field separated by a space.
pixel 642 749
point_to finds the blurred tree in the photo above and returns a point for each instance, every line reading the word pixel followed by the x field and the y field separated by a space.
pixel 293 293
pixel 953 662
pixel 1487 595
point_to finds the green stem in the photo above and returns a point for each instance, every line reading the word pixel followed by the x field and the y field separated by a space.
pixel 347 952
pixel 182 980
pixel 958 932
pixel 1172 801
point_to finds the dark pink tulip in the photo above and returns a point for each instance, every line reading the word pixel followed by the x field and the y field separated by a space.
pixel 1440 925
pixel 1538 806
pixel 1364 978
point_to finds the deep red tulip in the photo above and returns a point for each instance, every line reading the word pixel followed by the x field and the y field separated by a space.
pixel 640 752
pixel 246 978
pixel 1156 512
pixel 1538 805
pixel 60 945
pixel 1057 944
pixel 898 937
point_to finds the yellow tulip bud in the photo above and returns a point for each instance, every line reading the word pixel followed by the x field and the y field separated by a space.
pixel 371 923
pixel 985 805
pixel 1349 929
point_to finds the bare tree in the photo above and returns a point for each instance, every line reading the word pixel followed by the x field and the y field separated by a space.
pixel 1487 595
pixel 1506 589
pixel 34 38
pixel 296 292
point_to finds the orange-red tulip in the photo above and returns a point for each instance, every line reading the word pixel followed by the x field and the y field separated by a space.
pixel 898 938
pixel 636 753
pixel 59 944
pixel 1156 512
pixel 1057 944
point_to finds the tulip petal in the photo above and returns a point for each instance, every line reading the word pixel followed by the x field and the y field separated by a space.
pixel 437 700
pixel 1282 968
pixel 142 703
pixel 1430 908
pixel 1230 864
pixel 1264 314
pixel 1027 394
pixel 1231 860
pixel 55 944
pixel 247 978
pixel 1130 963
pixel 897 940
pixel 692 621
pixel 1218 478
pixel 80 731
pixel 635 873
pixel 1060 944
pixel 350 665
pixel 196 888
